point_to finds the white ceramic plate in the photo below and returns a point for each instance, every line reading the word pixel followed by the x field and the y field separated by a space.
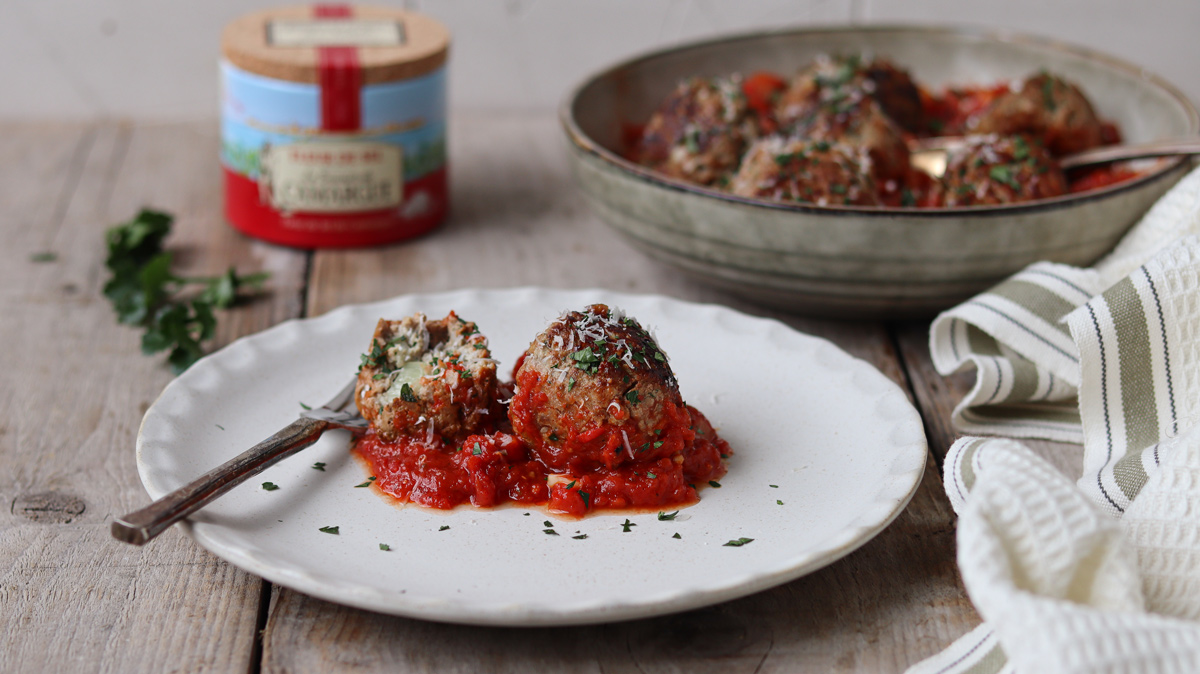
pixel 841 442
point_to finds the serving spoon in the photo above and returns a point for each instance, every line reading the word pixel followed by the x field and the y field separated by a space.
pixel 929 154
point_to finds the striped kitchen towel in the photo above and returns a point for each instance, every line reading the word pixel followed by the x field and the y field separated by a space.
pixel 1103 575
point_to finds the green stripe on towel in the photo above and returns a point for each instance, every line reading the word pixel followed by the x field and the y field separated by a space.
pixel 1037 300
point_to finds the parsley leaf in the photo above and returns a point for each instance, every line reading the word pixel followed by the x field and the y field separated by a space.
pixel 367 483
pixel 407 395
pixel 145 293
pixel 626 526
pixel 329 530
pixel 664 516
pixel 580 537
pixel 737 542
pixel 444 527
pixel 385 547
pixel 320 465
pixel 270 486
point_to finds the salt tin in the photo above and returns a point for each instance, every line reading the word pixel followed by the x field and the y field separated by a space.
pixel 333 125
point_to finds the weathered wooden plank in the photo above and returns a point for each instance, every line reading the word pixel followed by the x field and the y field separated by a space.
pixel 73 386
pixel 937 396
pixel 518 221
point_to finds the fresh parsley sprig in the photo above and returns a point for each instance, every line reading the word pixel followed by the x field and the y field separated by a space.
pixel 144 292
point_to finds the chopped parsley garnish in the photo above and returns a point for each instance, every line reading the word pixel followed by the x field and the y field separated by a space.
pixel 626 526
pixel 554 438
pixel 650 475
pixel 329 530
pixel 407 395
pixel 664 516
pixel 219 426
pixel 47 256
pixel 1048 94
pixel 580 537
pixel 571 484
pixel 270 486
pixel 586 360
pixel 658 443
pixel 549 532
pixel 444 527
pixel 773 486
pixel 305 406
pixel 677 535
pixel 659 357
pixel 586 497
pixel 367 483
pixel 476 450
pixel 571 384
pixel 737 542
pixel 1020 148
pixel 714 484
pixel 1004 174
pixel 837 189
pixel 632 397
pixel 778 502
pixel 385 547
pixel 691 140
pixel 320 465
pixel 821 146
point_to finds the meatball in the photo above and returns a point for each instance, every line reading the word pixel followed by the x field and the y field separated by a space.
pixel 816 172
pixel 595 390
pixel 1047 107
pixel 427 378
pixel 859 122
pixel 698 133
pixel 991 170
pixel 828 82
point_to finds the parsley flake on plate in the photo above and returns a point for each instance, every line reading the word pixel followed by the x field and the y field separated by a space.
pixel 385 547
pixel 329 530
pixel 738 542
pixel 270 486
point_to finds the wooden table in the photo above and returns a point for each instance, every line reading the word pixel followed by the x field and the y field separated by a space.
pixel 74 386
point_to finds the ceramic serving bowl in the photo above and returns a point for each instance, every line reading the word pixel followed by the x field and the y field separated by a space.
pixel 862 262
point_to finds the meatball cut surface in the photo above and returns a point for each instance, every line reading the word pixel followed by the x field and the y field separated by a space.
pixel 594 390
pixel 1046 107
pixel 991 170
pixel 427 378
pixel 699 132
pixel 818 172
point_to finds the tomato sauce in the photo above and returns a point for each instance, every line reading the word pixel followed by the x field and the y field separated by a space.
pixel 491 469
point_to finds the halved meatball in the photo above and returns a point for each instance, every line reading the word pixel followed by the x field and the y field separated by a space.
pixel 816 172
pixel 699 132
pixel 595 390
pixel 991 170
pixel 427 378
pixel 1046 107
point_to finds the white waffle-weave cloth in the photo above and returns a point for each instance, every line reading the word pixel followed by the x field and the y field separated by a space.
pixel 1102 575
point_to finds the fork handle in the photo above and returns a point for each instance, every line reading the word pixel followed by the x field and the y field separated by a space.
pixel 140 526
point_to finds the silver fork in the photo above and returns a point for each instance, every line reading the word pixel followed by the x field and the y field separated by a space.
pixel 140 526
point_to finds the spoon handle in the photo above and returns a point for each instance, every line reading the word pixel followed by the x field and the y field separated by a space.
pixel 1105 155
pixel 140 526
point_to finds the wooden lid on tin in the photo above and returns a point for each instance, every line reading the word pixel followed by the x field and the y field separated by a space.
pixel 285 43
